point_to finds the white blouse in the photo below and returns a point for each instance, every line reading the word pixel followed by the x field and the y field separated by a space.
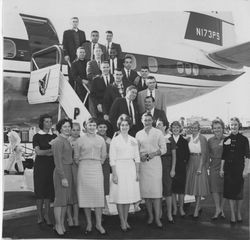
pixel 123 150
pixel 194 144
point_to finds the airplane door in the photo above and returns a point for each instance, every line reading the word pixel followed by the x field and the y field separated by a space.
pixel 41 32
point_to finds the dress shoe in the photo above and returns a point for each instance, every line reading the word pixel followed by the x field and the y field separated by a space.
pixel 232 222
pixel 239 221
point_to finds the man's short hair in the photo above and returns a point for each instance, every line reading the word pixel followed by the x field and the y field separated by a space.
pixel 144 67
pixel 75 18
pixel 94 31
pixel 131 87
pixel 110 32
pixel 80 48
pixel 151 78
pixel 105 62
pixel 148 97
pixel 118 69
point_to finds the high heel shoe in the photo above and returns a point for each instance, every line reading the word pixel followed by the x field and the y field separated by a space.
pixel 57 233
pixel 47 222
pixel 87 232
pixel 214 218
pixel 171 221
pixel 123 229
pixel 100 232
pixel 199 213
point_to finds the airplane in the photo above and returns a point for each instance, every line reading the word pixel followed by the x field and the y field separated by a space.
pixel 189 53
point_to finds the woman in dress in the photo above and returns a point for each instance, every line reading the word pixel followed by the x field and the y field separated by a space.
pixel 215 146
pixel 235 152
pixel 102 127
pixel 90 153
pixel 197 176
pixel 182 157
pixel 63 174
pixel 124 160
pixel 168 167
pixel 151 146
pixel 75 134
pixel 43 169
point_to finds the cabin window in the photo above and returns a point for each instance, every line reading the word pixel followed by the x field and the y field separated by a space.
pixel 9 49
pixel 188 68
pixel 152 64
pixel 195 69
pixel 180 67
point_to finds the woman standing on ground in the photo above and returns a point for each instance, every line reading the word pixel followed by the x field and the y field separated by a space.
pixel 182 157
pixel 215 146
pixel 197 176
pixel 43 169
pixel 63 174
pixel 168 167
pixel 75 134
pixel 124 160
pixel 235 152
pixel 151 146
pixel 90 153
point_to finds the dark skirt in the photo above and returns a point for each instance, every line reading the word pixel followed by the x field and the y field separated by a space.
pixel 166 178
pixel 106 176
pixel 233 182
pixel 179 180
pixel 43 177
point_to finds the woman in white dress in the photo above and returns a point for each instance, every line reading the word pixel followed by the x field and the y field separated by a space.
pixel 151 146
pixel 124 160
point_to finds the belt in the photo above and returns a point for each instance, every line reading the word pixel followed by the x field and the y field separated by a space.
pixel 195 154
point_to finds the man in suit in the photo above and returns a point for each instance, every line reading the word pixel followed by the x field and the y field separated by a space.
pixel 72 39
pixel 90 46
pixel 114 61
pixel 110 44
pixel 160 97
pixel 127 106
pixel 141 84
pixel 113 91
pixel 99 86
pixel 94 66
pixel 79 76
pixel 156 113
pixel 129 75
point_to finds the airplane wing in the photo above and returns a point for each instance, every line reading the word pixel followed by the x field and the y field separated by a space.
pixel 235 57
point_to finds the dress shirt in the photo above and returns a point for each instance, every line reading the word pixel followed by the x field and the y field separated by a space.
pixel 106 79
pixel 153 93
pixel 194 144
pixel 176 138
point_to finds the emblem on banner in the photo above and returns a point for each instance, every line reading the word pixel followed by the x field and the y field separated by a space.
pixel 43 84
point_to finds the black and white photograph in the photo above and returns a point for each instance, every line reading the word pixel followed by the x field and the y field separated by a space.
pixel 125 119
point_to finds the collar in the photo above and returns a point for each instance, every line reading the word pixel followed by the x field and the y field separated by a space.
pixel 176 138
pixel 76 30
pixel 41 132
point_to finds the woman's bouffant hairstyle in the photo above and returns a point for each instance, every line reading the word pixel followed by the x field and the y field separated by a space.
pixel 62 122
pixel 218 121
pixel 175 123
pixel 237 120
pixel 90 120
pixel 165 123
pixel 124 118
pixel 196 123
pixel 41 120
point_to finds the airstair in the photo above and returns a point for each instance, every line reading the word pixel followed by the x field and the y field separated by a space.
pixel 48 84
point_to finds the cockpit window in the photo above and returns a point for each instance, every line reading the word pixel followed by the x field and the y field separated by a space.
pixel 9 49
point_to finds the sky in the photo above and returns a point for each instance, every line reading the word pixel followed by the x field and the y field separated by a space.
pixel 230 100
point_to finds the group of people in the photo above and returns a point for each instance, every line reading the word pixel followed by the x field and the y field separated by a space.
pixel 73 169
pixel 129 137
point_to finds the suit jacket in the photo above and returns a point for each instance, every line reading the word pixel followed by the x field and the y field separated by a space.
pixel 132 76
pixel 78 71
pixel 160 114
pixel 119 107
pixel 111 93
pixel 99 88
pixel 118 50
pixel 93 70
pixel 118 65
pixel 139 85
pixel 87 47
pixel 160 100
pixel 69 44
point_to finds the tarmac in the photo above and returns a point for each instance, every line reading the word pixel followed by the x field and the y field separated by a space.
pixel 19 222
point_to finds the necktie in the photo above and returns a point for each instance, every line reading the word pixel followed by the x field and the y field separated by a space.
pixel 99 64
pixel 151 94
pixel 92 54
pixel 107 80
pixel 128 74
pixel 131 112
